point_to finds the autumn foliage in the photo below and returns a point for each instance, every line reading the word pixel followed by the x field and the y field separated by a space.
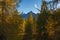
pixel 46 26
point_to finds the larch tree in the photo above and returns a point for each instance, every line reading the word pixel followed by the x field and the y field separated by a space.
pixel 7 8
pixel 50 26
pixel 29 28
pixel 57 24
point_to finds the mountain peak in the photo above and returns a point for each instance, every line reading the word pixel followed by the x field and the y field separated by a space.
pixel 28 14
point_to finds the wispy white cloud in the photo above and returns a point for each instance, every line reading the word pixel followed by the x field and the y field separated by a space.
pixel 58 6
pixel 35 5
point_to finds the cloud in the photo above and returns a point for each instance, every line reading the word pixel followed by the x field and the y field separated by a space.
pixel 35 5
pixel 58 6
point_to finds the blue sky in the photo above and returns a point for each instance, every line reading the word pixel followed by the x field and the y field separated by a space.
pixel 29 5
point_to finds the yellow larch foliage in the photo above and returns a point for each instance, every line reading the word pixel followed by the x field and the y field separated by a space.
pixel 0 9
pixel 22 27
pixel 50 12
pixel 50 28
pixel 16 17
pixel 8 18
pixel 31 20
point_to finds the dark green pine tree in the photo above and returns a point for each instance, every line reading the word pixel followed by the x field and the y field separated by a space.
pixel 41 23
pixel 28 29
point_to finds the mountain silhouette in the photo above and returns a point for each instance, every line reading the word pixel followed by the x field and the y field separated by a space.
pixel 28 14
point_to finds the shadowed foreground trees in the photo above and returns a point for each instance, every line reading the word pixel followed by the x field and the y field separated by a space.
pixel 46 27
pixel 8 31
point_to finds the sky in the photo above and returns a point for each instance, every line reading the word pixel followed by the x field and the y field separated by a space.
pixel 30 5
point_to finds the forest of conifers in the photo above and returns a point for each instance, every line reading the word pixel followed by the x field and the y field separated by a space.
pixel 45 26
